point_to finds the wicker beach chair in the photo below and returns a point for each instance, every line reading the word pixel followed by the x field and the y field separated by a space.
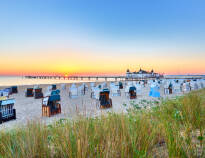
pixel 132 92
pixel 154 91
pixel 95 92
pixel 7 111
pixel 63 86
pixel 82 89
pixel 186 87
pixel 54 87
pixel 176 88
pixel 38 93
pixel 115 90
pixel 51 105
pixel 138 88
pixel 105 101
pixel 127 88
pixel 73 91
pixel 120 85
pixel 29 92
pixel 14 89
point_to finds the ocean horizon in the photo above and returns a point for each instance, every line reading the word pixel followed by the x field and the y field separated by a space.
pixel 21 81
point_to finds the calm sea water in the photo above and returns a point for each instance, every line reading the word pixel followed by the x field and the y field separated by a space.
pixel 17 80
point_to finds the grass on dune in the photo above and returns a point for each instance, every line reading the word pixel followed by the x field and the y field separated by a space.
pixel 176 128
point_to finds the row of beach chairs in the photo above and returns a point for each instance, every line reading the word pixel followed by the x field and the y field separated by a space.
pixel 8 91
pixel 36 92
pixel 51 100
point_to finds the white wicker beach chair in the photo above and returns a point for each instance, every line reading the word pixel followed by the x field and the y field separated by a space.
pixel 166 88
pixel 176 88
pixel 138 89
pixel 63 86
pixel 127 88
pixel 82 89
pixel 95 93
pixel 193 85
pixel 115 90
pixel 185 87
pixel 5 94
pixel 35 86
pixel 73 91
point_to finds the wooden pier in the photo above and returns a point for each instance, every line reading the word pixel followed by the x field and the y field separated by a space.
pixel 94 78
pixel 114 78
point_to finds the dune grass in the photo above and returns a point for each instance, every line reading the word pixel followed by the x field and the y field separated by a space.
pixel 176 128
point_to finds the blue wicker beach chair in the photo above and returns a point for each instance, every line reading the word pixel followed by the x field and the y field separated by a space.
pixel 132 92
pixel 9 90
pixel 55 92
pixel 14 89
pixel 7 111
pixel 154 92
pixel 4 92
pixel 54 87
pixel 120 85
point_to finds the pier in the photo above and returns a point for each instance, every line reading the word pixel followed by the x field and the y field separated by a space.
pixel 116 78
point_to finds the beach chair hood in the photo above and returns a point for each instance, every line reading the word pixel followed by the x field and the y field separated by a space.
pixel 55 92
pixel 54 98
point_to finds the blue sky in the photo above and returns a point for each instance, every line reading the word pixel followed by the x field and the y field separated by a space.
pixel 141 28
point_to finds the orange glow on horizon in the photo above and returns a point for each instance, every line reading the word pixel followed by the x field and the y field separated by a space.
pixel 97 73
pixel 69 62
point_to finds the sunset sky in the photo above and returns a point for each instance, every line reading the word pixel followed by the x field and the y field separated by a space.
pixel 101 36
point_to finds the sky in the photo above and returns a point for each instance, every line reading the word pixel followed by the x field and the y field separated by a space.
pixel 48 37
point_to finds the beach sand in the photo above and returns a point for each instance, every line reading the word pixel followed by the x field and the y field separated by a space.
pixel 29 109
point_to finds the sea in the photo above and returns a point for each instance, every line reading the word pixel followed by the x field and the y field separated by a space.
pixel 20 80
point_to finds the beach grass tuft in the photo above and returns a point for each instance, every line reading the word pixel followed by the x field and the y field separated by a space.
pixel 172 128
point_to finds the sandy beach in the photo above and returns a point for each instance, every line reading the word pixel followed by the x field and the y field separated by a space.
pixel 28 108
